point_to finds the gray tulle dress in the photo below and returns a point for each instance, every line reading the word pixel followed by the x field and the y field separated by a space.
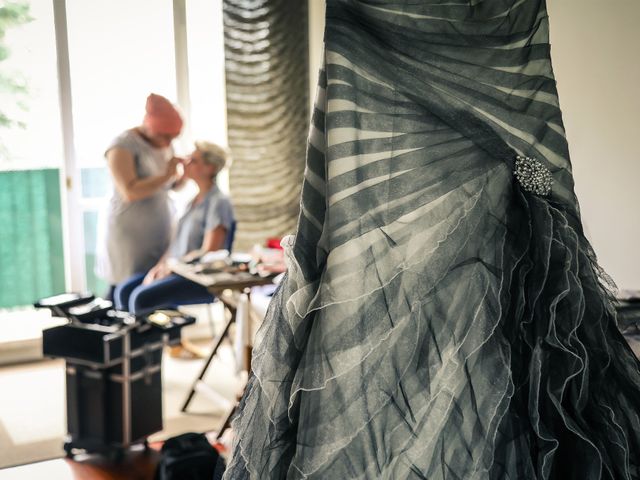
pixel 133 236
pixel 443 315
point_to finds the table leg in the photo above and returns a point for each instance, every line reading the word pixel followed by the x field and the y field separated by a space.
pixel 227 421
pixel 208 362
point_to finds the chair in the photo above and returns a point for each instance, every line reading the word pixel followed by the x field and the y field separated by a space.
pixel 231 234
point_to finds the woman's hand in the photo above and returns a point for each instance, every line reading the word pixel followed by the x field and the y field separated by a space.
pixel 172 167
pixel 180 178
pixel 158 272
pixel 192 256
pixel 131 188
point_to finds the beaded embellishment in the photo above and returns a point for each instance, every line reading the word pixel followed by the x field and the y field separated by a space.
pixel 533 176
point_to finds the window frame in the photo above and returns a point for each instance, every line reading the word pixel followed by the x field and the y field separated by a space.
pixel 73 206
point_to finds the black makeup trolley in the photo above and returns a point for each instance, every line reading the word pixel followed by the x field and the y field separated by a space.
pixel 113 371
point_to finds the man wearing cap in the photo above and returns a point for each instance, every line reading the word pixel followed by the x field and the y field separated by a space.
pixel 136 230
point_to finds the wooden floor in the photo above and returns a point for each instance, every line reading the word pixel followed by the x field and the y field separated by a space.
pixel 137 465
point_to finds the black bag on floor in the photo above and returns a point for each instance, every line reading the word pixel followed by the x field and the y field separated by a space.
pixel 189 456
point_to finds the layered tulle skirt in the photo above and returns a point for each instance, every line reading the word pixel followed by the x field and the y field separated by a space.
pixel 441 318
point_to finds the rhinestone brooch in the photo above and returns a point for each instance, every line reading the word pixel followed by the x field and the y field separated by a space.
pixel 533 176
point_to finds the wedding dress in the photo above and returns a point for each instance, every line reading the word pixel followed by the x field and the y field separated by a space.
pixel 443 315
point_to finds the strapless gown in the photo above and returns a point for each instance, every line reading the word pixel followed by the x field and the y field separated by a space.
pixel 443 315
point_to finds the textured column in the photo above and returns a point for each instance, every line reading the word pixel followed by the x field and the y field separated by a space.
pixel 266 52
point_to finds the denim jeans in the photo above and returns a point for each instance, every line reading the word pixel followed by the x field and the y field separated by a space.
pixel 168 292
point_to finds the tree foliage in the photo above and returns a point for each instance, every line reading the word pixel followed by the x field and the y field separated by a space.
pixel 12 14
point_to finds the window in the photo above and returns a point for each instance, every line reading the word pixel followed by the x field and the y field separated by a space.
pixel 31 252
pixel 118 52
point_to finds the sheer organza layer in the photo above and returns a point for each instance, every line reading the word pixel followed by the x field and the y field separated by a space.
pixel 437 321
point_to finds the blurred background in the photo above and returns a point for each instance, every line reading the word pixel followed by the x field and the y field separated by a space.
pixel 75 73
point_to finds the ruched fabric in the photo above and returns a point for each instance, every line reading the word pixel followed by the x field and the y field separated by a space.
pixel 438 320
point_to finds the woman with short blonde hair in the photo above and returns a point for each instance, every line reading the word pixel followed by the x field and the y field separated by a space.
pixel 204 227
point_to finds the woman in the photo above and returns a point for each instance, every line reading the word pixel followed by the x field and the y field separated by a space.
pixel 136 230
pixel 203 228
pixel 443 316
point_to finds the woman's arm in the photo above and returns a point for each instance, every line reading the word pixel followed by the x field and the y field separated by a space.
pixel 180 180
pixel 132 188
pixel 213 240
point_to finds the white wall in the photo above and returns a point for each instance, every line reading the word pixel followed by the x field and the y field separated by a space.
pixel 596 57
pixel 595 47
pixel 316 32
